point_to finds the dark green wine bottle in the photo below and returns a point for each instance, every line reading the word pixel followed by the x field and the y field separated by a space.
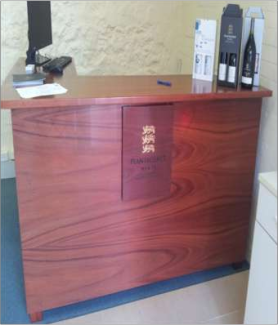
pixel 249 60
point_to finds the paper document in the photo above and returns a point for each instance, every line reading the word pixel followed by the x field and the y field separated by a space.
pixel 43 90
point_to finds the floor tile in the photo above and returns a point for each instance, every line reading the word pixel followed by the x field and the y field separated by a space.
pixel 235 317
pixel 229 293
pixel 214 302
pixel 125 314
pixel 91 319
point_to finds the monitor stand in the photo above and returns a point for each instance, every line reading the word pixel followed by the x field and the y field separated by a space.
pixel 40 60
pixel 33 57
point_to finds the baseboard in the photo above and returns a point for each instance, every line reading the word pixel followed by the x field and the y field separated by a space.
pixel 7 169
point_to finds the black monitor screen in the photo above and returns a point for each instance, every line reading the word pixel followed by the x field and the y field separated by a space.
pixel 39 21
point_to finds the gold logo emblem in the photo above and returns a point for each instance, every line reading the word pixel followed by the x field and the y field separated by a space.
pixel 148 139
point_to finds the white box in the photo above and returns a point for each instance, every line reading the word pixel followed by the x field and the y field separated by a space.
pixel 30 68
pixel 256 13
pixel 204 49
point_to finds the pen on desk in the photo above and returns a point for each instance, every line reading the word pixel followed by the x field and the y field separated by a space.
pixel 164 83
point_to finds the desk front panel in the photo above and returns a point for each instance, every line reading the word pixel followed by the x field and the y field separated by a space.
pixel 81 240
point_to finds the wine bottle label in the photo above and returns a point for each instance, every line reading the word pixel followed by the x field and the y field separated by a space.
pixel 232 74
pixel 246 80
pixel 257 63
pixel 222 71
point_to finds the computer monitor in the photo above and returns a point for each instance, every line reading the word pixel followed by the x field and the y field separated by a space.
pixel 39 30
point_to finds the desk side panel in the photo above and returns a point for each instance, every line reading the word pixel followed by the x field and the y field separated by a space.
pixel 80 240
pixel 68 167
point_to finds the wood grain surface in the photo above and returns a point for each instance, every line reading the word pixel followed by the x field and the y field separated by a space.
pixel 36 317
pixel 147 155
pixel 122 90
pixel 80 240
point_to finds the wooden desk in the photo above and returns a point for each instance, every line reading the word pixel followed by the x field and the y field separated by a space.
pixel 88 228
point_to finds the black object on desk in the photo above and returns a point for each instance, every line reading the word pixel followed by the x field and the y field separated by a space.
pixel 57 65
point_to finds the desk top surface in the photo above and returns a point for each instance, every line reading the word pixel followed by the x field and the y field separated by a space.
pixel 123 90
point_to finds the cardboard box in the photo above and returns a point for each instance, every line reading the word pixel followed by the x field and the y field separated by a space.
pixel 230 46
pixel 204 49
pixel 256 13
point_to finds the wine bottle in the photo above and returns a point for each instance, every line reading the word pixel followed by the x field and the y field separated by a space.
pixel 249 60
pixel 223 66
pixel 232 68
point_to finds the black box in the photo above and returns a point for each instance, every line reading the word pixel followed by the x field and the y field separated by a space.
pixel 230 43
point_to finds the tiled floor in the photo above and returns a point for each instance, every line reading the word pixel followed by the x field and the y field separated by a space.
pixel 220 301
